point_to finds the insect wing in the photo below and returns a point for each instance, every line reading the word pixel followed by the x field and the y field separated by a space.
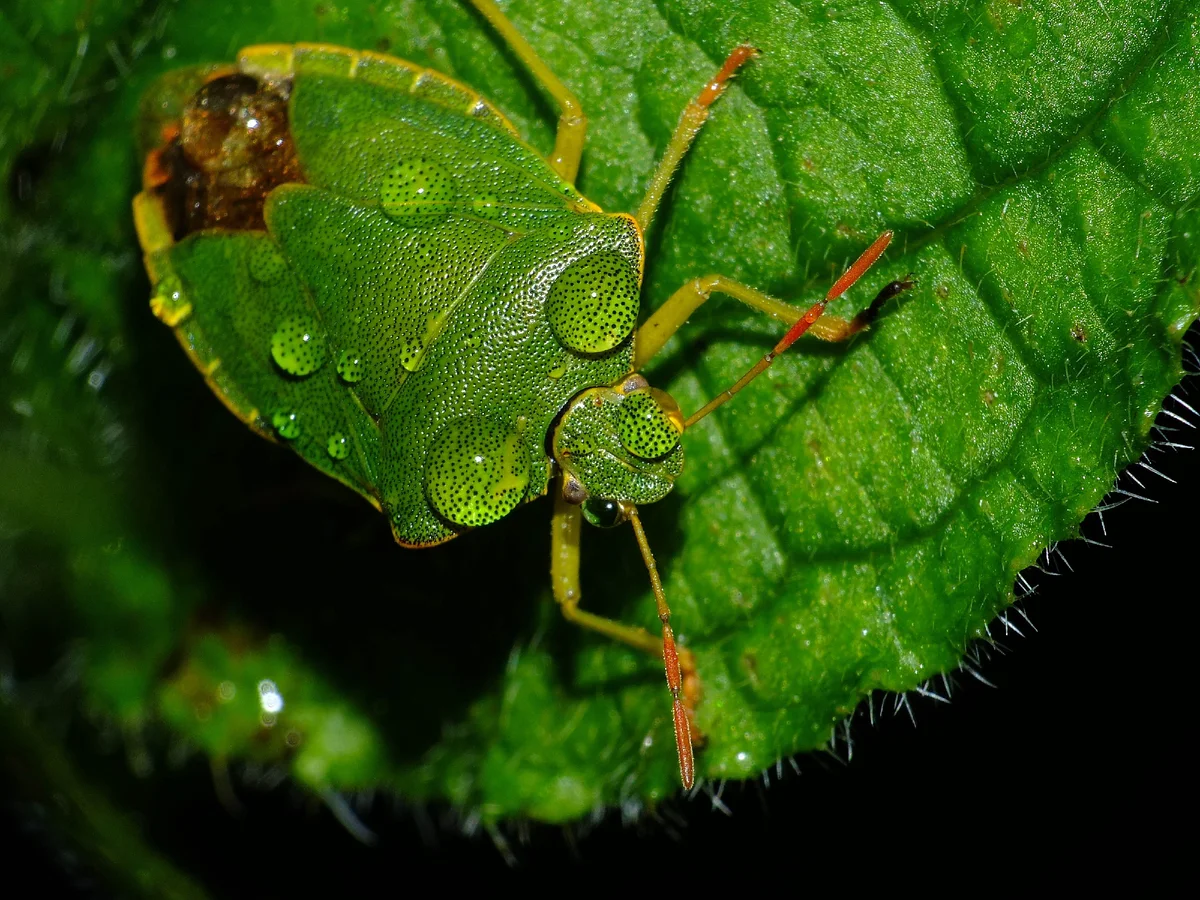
pixel 250 325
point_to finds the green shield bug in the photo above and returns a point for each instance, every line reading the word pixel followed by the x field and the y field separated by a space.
pixel 369 265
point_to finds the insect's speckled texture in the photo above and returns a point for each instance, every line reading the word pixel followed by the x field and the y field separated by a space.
pixel 416 191
pixel 589 445
pixel 418 254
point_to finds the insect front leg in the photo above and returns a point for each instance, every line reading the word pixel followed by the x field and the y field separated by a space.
pixel 572 123
pixel 682 679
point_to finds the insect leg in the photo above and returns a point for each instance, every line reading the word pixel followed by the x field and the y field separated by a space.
pixel 693 118
pixel 671 316
pixel 681 665
pixel 572 123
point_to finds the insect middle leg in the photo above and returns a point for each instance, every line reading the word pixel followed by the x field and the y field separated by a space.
pixel 669 317
pixel 572 123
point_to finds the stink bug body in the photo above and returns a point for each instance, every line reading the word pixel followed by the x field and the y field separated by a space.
pixel 369 265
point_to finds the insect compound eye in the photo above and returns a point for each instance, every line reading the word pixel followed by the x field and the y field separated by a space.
pixel 603 513
pixel 647 427
pixel 416 191
pixel 593 305
pixel 476 471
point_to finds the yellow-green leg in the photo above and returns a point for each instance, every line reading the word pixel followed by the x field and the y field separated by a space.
pixel 695 114
pixel 572 123
pixel 680 665
pixel 669 317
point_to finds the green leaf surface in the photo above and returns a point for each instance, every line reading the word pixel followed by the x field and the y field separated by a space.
pixel 851 523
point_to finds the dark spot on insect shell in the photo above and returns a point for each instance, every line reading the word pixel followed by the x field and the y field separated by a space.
pixel 234 147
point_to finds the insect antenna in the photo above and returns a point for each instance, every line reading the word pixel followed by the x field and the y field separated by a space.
pixel 843 284
pixel 683 727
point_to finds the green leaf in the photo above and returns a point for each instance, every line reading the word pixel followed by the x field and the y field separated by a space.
pixel 851 523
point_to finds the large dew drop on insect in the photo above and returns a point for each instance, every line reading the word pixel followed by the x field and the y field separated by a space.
pixel 476 472
pixel 416 191
pixel 297 346
pixel 647 427
pixel 593 305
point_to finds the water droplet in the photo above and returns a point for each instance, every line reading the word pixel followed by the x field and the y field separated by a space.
pixel 410 354
pixel 266 263
pixel 560 230
pixel 287 424
pixel 338 445
pixel 557 372
pixel 476 471
pixel 297 346
pixel 487 205
pixel 351 367
pixel 593 304
pixel 168 302
pixel 416 191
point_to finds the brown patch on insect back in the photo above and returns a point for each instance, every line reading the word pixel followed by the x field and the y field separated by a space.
pixel 231 147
